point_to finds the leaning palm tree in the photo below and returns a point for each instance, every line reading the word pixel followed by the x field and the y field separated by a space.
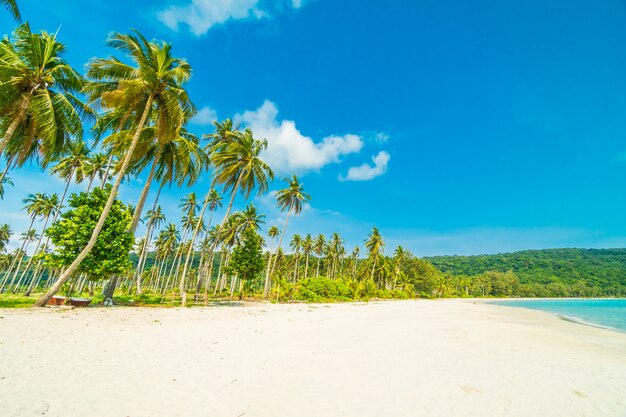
pixel 155 81
pixel 238 167
pixel 11 6
pixel 38 96
pixel 291 199
pixel 96 166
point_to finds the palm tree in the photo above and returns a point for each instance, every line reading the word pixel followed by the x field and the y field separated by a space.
pixel 11 6
pixel 355 257
pixel 238 168
pixel 296 244
pixel 47 206
pixel 307 248
pixel 72 166
pixel 27 238
pixel 155 81
pixel 290 199
pixel 374 244
pixel 5 235
pixel 38 103
pixel 96 166
pixel 318 246
pixel 154 218
pixel 5 180
pixel 273 232
pixel 399 256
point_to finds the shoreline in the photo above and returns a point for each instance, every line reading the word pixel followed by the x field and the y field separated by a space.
pixel 449 357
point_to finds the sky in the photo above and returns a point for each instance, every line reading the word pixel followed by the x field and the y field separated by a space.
pixel 455 127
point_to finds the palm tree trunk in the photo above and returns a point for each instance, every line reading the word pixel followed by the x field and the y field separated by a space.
pixel 280 241
pixel 19 117
pixel 106 173
pixel 8 273
pixel 181 287
pixel 30 260
pixel 196 230
pixel 317 273
pixel 103 216
pixel 144 193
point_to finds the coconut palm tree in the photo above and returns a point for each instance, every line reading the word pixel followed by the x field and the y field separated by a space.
pixel 47 207
pixel 374 244
pixel 291 199
pixel 154 219
pixel 5 235
pixel 238 167
pixel 307 248
pixel 5 180
pixel 72 166
pixel 273 232
pixel 355 257
pixel 154 82
pixel 399 256
pixel 296 244
pixel 39 104
pixel 318 246
pixel 96 166
pixel 11 6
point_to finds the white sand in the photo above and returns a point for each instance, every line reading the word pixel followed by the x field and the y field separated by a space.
pixel 410 358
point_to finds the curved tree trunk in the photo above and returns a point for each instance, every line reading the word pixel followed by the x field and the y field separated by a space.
pixel 144 194
pixel 103 216
pixel 30 260
pixel 106 173
pixel 19 117
pixel 181 286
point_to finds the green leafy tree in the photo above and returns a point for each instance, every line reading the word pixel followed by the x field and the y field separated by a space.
pixel 247 258
pixel 111 253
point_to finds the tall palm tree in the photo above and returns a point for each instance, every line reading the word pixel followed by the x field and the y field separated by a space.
pixel 11 6
pixel 355 257
pixel 296 244
pixel 307 248
pixel 291 199
pixel 38 103
pixel 5 235
pixel 374 244
pixel 155 81
pixel 71 167
pixel 47 206
pixel 273 233
pixel 96 166
pixel 154 219
pixel 318 246
pixel 4 181
pixel 399 256
pixel 238 168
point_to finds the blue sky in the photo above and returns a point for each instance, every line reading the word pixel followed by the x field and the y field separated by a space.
pixel 455 127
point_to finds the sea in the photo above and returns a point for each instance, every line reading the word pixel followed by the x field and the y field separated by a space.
pixel 606 313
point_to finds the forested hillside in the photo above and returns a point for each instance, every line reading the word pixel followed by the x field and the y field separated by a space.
pixel 577 272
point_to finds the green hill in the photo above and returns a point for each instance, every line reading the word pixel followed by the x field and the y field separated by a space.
pixel 601 271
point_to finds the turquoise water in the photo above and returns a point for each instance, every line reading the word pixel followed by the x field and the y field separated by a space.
pixel 604 313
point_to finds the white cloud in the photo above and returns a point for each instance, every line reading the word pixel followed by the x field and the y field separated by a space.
pixel 288 149
pixel 367 172
pixel 381 137
pixel 202 15
pixel 204 117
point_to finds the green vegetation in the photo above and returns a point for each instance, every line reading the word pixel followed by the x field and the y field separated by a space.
pixel 538 273
pixel 137 109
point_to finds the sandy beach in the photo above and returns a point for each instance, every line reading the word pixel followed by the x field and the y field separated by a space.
pixel 408 358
